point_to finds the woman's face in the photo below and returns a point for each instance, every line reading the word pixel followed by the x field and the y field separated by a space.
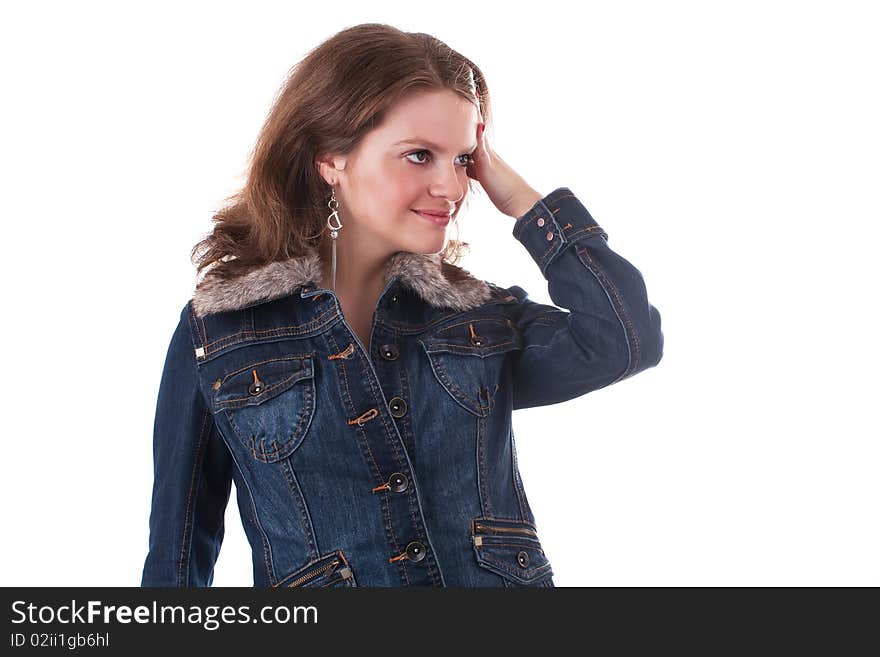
pixel 415 160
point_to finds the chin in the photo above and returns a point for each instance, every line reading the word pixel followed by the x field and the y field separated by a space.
pixel 426 246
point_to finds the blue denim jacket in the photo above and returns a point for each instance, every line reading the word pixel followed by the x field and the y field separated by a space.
pixel 391 463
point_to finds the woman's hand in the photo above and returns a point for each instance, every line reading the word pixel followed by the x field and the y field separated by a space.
pixel 506 188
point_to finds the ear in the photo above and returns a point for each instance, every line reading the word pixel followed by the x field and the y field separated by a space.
pixel 328 165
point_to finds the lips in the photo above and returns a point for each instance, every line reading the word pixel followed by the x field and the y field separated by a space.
pixel 439 213
pixel 439 219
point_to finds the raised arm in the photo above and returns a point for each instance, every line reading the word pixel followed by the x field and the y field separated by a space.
pixel 601 330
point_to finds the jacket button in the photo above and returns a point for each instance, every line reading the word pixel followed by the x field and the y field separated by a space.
pixel 389 351
pixel 540 221
pixel 549 235
pixel 397 406
pixel 523 558
pixel 398 482
pixel 255 388
pixel 477 341
pixel 415 551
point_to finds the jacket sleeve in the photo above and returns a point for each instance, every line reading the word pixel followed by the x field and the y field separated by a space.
pixel 603 330
pixel 192 471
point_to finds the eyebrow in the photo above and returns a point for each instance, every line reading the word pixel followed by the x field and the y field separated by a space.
pixel 417 140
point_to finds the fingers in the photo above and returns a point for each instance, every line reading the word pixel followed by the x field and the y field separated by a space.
pixel 480 152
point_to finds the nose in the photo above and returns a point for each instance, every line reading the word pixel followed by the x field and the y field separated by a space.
pixel 448 186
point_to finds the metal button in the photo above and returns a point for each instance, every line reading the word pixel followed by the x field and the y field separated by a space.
pixel 540 221
pixel 549 235
pixel 397 406
pixel 394 298
pixel 255 388
pixel 523 558
pixel 389 351
pixel 398 482
pixel 477 341
pixel 415 551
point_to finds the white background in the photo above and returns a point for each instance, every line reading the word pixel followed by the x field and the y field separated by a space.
pixel 730 150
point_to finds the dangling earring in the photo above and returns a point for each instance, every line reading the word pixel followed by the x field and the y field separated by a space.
pixel 334 233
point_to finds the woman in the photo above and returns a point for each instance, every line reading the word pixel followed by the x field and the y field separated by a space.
pixel 338 365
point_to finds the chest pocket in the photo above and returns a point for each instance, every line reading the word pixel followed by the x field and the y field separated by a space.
pixel 468 360
pixel 269 404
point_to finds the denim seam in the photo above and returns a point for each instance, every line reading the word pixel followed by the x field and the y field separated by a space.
pixel 527 573
pixel 485 499
pixel 436 362
pixel 297 376
pixel 318 322
pixel 298 500
pixel 472 349
pixel 514 472
pixel 502 519
pixel 267 548
pixel 195 479
pixel 629 333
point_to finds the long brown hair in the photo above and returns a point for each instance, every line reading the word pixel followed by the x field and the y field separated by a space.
pixel 336 94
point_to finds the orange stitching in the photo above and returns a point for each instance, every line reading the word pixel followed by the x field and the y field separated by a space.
pixel 295 329
pixel 471 327
pixel 382 487
pixel 398 557
pixel 364 417
pixel 588 229
pixel 302 357
pixel 445 328
pixel 462 346
pixel 348 351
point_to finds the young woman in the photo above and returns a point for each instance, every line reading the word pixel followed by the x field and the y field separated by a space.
pixel 335 362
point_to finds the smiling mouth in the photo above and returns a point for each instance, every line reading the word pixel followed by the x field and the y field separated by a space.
pixel 440 220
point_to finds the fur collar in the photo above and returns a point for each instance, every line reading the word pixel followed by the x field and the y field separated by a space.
pixel 439 283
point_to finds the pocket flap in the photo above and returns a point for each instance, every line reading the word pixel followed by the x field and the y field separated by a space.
pixel 477 337
pixel 261 381
pixel 510 548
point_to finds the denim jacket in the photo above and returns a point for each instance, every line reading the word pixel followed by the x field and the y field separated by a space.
pixel 391 463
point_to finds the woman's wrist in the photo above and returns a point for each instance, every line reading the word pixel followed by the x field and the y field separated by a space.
pixel 523 202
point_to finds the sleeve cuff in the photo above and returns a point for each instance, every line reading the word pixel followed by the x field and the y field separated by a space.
pixel 553 222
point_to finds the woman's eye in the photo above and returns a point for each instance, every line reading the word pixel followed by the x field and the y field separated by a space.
pixel 467 155
pixel 416 153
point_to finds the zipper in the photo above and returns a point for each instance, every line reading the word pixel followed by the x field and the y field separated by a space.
pixel 345 572
pixel 517 530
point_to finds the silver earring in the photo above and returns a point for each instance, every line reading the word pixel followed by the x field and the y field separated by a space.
pixel 334 233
